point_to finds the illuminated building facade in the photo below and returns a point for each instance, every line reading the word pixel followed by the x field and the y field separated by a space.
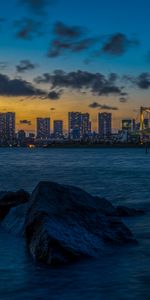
pixel 105 124
pixel 43 128
pixel 58 128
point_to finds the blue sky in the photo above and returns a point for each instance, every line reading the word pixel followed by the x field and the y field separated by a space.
pixel 102 20
pixel 101 17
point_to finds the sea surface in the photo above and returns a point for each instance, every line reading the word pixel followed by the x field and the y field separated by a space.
pixel 120 175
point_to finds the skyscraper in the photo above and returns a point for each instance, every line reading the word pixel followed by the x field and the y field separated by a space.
pixel 104 124
pixel 7 127
pixel 2 126
pixel 58 128
pixel 10 126
pixel 86 124
pixel 75 125
pixel 43 128
pixel 79 124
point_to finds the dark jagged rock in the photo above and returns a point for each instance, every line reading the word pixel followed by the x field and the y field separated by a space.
pixel 11 199
pixel 65 223
pixel 123 211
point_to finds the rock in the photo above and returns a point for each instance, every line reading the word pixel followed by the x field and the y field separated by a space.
pixel 11 199
pixel 123 211
pixel 64 223
pixel 15 219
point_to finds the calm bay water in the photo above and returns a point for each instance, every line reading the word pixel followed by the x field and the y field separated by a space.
pixel 121 175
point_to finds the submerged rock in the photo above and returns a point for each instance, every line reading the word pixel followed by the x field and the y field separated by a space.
pixel 11 199
pixel 65 223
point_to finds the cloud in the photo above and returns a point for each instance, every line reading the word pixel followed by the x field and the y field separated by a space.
pixel 117 44
pixel 83 81
pixel 65 31
pixel 54 95
pixel 18 87
pixel 102 106
pixel 25 65
pixel 27 28
pixel 27 122
pixel 123 99
pixel 143 81
pixel 69 39
pixel 3 65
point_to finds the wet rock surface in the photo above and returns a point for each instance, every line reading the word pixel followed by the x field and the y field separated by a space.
pixel 63 223
pixel 11 199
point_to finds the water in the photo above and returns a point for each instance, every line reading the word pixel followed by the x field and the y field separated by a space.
pixel 121 175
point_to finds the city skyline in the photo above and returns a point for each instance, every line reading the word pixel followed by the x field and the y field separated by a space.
pixel 53 60
pixel 75 120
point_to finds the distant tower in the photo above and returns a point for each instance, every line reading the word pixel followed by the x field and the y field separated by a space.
pixel 104 124
pixel 43 128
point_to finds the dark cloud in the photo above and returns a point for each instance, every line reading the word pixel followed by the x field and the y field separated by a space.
pixel 117 44
pixel 143 81
pixel 18 87
pixel 26 122
pixel 102 106
pixel 54 95
pixel 28 28
pixel 123 99
pixel 25 65
pixel 69 39
pixel 71 32
pixel 94 105
pixel 97 83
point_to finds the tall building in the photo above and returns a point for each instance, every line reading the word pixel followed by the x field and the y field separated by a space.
pixel 104 124
pixel 86 125
pixel 43 128
pixel 75 125
pixel 2 126
pixel 10 126
pixel 79 125
pixel 58 128
pixel 7 127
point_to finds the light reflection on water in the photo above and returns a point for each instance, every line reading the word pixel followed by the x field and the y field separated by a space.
pixel 121 175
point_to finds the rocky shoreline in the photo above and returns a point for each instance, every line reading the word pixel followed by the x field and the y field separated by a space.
pixel 63 223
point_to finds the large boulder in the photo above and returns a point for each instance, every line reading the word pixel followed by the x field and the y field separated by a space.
pixel 64 223
pixel 11 199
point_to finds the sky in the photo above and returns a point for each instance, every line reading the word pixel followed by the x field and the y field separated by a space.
pixel 60 55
